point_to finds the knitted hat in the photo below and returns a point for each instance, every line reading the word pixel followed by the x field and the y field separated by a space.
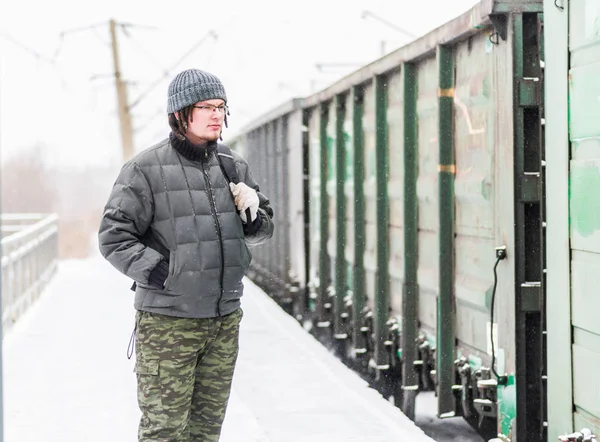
pixel 191 86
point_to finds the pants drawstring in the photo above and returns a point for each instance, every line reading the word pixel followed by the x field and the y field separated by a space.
pixel 131 345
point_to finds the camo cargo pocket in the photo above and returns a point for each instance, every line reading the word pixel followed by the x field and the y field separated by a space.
pixel 149 389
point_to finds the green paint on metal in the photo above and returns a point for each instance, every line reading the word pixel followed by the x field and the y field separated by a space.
pixel 340 261
pixel 446 308
pixel 358 287
pixel 475 362
pixel 382 300
pixel 486 190
pixel 349 178
pixel 488 298
pixel 529 248
pixel 314 188
pixel 519 143
pixel 399 320
pixel 331 162
pixel 349 152
pixel 430 338
pixel 410 299
pixel 581 308
pixel 487 91
pixel 528 94
pixel 324 262
pixel 507 405
pixel 541 34
pixel 489 46
pixel 585 204
pixel 349 276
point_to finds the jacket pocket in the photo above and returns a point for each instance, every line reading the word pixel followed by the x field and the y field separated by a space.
pixel 172 267
pixel 246 256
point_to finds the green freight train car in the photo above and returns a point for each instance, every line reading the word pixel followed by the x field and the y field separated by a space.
pixel 436 218
pixel 572 112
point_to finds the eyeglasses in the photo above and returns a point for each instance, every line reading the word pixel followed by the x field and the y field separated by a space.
pixel 209 108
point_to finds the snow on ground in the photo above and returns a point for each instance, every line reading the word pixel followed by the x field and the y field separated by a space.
pixel 67 377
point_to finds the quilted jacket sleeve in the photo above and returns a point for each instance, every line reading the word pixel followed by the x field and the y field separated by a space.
pixel 264 211
pixel 127 215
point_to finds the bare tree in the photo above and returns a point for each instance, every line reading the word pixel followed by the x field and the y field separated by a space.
pixel 77 195
pixel 28 186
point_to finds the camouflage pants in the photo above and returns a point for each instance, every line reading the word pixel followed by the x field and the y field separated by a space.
pixel 184 372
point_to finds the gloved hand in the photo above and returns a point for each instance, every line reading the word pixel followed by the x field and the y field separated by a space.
pixel 245 198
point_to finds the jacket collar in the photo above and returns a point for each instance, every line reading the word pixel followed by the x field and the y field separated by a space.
pixel 193 152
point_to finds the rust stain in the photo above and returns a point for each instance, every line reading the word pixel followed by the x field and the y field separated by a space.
pixel 449 168
pixel 446 92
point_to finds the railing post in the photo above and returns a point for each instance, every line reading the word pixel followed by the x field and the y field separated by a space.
pixel 29 254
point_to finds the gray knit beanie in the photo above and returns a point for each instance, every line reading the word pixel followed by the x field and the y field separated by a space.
pixel 191 86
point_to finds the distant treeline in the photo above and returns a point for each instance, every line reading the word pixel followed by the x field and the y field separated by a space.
pixel 77 195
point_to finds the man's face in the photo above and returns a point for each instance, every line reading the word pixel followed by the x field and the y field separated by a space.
pixel 206 121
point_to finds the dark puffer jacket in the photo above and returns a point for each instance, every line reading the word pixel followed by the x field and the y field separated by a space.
pixel 171 214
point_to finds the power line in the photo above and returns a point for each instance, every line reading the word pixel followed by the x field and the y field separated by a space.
pixel 51 61
pixel 150 88
pixel 124 26
pixel 144 51
pixel 123 106
pixel 321 67
pixel 26 48
pixel 150 119
pixel 210 56
pixel 63 34
pixel 211 33
pixel 366 13
pixel 101 38
pixel 121 86
pixel 160 111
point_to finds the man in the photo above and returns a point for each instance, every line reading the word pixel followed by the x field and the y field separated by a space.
pixel 176 227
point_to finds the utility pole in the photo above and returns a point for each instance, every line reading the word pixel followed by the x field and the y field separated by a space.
pixel 122 100
pixel 123 105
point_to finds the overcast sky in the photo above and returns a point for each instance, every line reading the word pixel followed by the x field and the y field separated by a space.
pixel 265 52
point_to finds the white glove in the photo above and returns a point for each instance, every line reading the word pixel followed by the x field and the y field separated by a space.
pixel 245 198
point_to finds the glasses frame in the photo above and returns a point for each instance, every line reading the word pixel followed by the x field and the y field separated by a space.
pixel 221 109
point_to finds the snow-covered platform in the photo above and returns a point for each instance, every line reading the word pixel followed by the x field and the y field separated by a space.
pixel 67 377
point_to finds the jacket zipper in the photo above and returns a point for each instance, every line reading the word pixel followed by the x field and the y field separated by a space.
pixel 216 219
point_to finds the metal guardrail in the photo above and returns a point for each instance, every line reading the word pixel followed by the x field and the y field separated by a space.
pixel 29 249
